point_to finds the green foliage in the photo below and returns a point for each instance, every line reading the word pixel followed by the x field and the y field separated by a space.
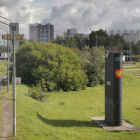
pixel 135 48
pixel 3 65
pixel 62 103
pixel 71 42
pixel 137 65
pixel 93 65
pixel 104 40
pixel 66 116
pixel 23 41
pixel 37 92
pixel 53 65
pixel 2 49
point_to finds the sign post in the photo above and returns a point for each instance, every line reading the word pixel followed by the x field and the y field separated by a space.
pixel 18 81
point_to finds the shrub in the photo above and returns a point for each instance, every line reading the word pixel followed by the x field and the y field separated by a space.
pixel 52 65
pixel 93 66
pixel 37 92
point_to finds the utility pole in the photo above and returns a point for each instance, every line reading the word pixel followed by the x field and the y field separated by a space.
pixel 14 76
pixel 14 84
pixel 130 52
pixel 130 45
pixel 4 49
pixel 7 63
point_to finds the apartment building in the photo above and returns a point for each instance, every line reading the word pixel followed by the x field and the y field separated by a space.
pixel 44 33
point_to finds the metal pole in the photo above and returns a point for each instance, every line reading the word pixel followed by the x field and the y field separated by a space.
pixel 14 85
pixel 19 89
pixel 7 64
pixel 0 87
pixel 14 76
pixel 4 49
pixel 130 44
pixel 130 51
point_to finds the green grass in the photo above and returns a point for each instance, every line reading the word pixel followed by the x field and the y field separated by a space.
pixel 131 99
pixel 132 66
pixel 2 95
pixel 65 115
pixel 3 65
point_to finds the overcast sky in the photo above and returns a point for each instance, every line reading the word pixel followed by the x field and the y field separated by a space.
pixel 80 14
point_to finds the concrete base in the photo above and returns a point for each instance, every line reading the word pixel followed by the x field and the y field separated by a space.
pixel 105 125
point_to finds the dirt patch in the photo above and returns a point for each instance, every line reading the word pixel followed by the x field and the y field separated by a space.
pixel 6 128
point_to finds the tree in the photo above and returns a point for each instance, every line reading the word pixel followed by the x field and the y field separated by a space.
pixel 72 42
pixel 94 66
pixel 52 65
pixel 23 41
pixel 103 39
pixel 136 48
pixel 2 48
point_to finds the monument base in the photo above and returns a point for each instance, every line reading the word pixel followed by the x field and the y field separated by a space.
pixel 105 125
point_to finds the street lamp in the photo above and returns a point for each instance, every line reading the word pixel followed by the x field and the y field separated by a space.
pixel 7 60
pixel 130 44
pixel 14 76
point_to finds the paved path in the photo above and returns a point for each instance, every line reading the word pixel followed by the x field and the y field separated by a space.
pixel 6 128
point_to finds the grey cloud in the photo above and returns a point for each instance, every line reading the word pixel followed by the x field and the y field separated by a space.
pixel 127 0
pixel 60 11
pixel 80 14
pixel 119 25
pixel 23 16
pixel 126 23
pixel 104 12
pixel 23 8
pixel 63 18
pixel 86 1
pixel 8 2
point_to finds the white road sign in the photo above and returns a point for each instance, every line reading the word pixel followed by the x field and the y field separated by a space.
pixel 18 80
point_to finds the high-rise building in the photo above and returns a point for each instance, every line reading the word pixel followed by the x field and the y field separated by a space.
pixel 72 31
pixel 128 35
pixel 111 32
pixel 44 33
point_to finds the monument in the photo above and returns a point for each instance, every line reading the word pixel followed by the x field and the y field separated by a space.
pixel 113 85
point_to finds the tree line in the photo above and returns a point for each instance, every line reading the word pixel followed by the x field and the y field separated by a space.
pixel 58 67
pixel 66 63
pixel 103 39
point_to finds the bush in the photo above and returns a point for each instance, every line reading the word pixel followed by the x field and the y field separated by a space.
pixel 93 66
pixel 37 92
pixel 52 65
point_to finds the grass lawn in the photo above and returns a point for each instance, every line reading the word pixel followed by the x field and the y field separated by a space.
pixel 65 115
pixel 3 94
pixel 132 66
pixel 3 66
